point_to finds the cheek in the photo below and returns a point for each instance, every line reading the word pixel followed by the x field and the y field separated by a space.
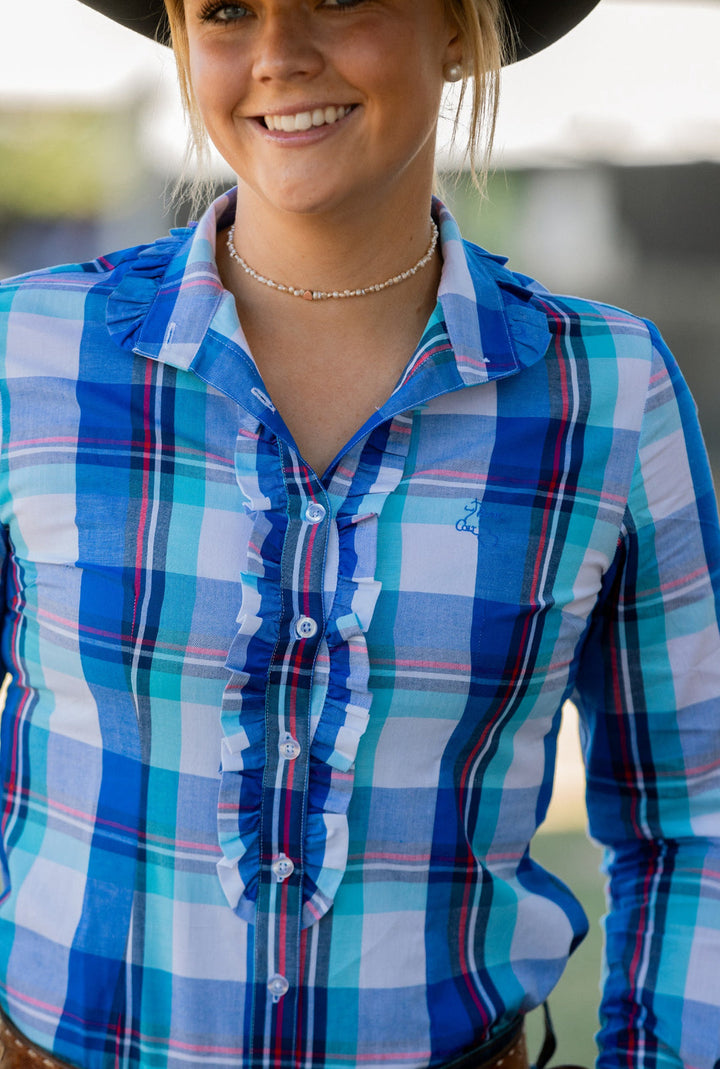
pixel 216 85
pixel 406 72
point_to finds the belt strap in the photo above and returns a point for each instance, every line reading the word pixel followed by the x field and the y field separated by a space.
pixel 508 1050
pixel 17 1052
pixel 550 1044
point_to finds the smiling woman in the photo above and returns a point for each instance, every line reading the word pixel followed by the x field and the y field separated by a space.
pixel 285 60
pixel 314 516
pixel 486 41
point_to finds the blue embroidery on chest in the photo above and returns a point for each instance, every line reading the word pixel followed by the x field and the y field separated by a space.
pixel 472 511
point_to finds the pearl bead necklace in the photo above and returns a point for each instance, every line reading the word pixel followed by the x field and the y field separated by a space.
pixel 327 295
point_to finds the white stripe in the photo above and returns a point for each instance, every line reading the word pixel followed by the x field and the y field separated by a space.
pixel 157 653
pixel 648 937
pixel 138 651
pixel 56 449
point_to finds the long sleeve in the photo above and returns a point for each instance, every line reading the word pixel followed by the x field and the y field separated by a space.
pixel 649 694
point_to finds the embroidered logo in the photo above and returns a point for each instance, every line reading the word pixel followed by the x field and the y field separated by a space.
pixel 472 511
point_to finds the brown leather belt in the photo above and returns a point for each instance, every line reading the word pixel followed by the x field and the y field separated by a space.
pixel 17 1052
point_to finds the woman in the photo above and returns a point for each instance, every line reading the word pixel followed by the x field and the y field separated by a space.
pixel 288 633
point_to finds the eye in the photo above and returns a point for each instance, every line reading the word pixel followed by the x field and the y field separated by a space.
pixel 218 12
pixel 342 5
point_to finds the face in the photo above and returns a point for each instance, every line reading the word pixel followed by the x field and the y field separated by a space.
pixel 321 105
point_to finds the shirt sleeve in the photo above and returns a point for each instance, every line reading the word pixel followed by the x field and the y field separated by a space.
pixel 648 690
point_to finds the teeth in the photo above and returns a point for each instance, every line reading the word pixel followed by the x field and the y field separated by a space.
pixel 303 120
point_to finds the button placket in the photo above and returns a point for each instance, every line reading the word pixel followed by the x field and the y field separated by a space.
pixel 287 732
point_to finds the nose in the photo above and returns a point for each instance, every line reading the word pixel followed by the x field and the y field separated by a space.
pixel 286 47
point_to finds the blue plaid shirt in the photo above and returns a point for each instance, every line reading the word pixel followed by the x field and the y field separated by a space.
pixel 275 743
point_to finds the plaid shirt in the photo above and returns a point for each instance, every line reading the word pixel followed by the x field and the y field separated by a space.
pixel 275 744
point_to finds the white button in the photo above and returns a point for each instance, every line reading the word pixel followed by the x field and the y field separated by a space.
pixel 305 627
pixel 282 867
pixel 289 747
pixel 314 513
pixel 278 986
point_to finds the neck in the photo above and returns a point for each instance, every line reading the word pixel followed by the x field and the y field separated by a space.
pixel 330 251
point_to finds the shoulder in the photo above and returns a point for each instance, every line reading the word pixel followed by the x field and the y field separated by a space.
pixel 583 323
pixel 67 277
pixel 610 364
pixel 559 307
pixel 55 321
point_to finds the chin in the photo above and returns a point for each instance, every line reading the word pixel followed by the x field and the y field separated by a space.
pixel 297 199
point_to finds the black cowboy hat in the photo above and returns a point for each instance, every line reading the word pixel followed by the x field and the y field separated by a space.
pixel 535 23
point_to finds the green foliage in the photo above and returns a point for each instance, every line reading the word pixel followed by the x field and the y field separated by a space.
pixel 65 164
pixel 574 1002
pixel 490 221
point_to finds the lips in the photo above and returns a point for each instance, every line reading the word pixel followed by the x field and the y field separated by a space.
pixel 305 120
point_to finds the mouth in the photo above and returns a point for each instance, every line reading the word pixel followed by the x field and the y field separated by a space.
pixel 306 120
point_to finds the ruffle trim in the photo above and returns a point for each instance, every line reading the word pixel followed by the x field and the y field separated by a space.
pixel 135 293
pixel 345 710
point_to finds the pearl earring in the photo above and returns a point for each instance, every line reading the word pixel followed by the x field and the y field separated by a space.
pixel 453 72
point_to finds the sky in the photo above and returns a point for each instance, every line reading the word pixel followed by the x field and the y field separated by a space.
pixel 637 82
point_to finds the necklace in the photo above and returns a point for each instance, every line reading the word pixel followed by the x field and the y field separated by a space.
pixel 327 295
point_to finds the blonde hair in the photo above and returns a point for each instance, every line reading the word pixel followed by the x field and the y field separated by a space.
pixel 482 28
pixel 485 48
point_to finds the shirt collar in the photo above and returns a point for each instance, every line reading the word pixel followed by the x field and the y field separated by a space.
pixel 166 298
pixel 494 321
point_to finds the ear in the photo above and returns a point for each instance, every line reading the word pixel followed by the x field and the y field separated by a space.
pixel 454 50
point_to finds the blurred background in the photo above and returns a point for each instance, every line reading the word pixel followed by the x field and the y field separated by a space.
pixel 606 183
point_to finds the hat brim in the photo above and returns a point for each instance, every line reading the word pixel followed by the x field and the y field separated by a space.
pixel 144 16
pixel 533 24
